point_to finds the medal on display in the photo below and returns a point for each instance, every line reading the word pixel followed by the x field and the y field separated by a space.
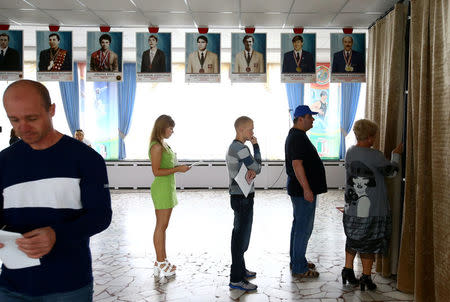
pixel 348 62
pixel 248 58
pixel 202 61
pixel 297 61
pixel 103 61
pixel 52 59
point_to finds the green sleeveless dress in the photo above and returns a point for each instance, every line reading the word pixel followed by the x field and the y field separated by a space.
pixel 163 188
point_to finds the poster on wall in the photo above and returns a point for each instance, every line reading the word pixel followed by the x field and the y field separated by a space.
pixel 202 58
pixel 248 58
pixel 298 58
pixel 153 57
pixel 104 56
pixel 348 57
pixel 324 99
pixel 54 56
pixel 99 116
pixel 11 55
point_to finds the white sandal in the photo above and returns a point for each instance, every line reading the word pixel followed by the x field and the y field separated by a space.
pixel 163 269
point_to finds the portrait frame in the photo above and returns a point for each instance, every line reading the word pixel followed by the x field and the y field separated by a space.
pixel 143 70
pixel 351 68
pixel 292 69
pixel 93 58
pixel 8 69
pixel 57 67
pixel 255 70
pixel 209 71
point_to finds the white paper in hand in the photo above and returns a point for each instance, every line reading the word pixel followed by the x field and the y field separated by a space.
pixel 11 256
pixel 242 181
pixel 196 163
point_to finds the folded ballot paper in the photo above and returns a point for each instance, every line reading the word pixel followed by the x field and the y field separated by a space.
pixel 241 180
pixel 11 256
pixel 195 164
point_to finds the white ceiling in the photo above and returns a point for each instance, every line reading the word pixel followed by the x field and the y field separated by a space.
pixel 193 13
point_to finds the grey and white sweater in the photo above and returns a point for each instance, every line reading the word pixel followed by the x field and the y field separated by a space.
pixel 238 154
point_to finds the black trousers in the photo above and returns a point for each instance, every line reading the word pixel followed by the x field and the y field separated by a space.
pixel 240 238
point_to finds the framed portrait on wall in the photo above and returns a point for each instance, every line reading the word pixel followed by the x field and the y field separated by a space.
pixel 54 56
pixel 104 56
pixel 202 58
pixel 298 58
pixel 348 57
pixel 248 57
pixel 11 55
pixel 153 57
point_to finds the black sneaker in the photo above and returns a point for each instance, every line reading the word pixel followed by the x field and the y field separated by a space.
pixel 243 285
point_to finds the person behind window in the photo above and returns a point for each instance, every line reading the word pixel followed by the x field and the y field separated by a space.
pixel 163 189
pixel 79 135
pixel 12 137
pixel 367 218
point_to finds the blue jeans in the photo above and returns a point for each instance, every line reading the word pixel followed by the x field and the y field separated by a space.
pixel 302 227
pixel 240 238
pixel 83 294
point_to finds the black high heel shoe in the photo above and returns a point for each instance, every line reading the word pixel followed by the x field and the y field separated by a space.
pixel 367 280
pixel 349 275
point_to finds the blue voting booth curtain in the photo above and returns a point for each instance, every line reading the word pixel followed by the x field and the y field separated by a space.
pixel 69 96
pixel 295 93
pixel 349 104
pixel 127 92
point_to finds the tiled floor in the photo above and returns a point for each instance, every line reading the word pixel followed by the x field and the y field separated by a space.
pixel 198 241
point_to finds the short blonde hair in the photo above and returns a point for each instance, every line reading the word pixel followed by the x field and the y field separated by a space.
pixel 364 129
pixel 240 121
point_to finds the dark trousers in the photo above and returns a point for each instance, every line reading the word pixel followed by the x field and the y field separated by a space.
pixel 240 238
pixel 83 294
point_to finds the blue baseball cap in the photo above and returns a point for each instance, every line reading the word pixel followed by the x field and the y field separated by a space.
pixel 302 110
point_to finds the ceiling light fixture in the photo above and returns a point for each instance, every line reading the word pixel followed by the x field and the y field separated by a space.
pixel 29 3
pixel 81 3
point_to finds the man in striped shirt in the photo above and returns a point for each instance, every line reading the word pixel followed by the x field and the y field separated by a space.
pixel 238 155
pixel 54 191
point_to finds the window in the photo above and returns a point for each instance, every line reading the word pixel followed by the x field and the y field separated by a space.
pixel 204 115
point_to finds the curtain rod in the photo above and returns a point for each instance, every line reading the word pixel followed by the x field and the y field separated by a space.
pixel 385 14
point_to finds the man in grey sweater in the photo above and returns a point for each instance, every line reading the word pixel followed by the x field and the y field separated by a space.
pixel 238 155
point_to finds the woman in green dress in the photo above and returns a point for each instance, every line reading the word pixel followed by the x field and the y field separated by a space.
pixel 163 189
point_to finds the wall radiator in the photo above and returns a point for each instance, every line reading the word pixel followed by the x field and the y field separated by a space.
pixel 211 175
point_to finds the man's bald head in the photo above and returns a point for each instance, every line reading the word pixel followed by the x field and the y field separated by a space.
pixel 38 87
